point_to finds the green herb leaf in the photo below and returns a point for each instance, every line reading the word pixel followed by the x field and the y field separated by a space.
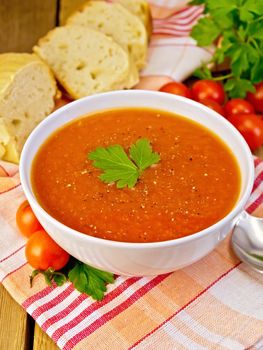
pixel 255 29
pixel 249 8
pixel 257 71
pixel 118 167
pixel 203 73
pixel 89 280
pixel 197 2
pixel 143 156
pixel 205 32
pixel 238 24
pixel 238 87
pixel 59 278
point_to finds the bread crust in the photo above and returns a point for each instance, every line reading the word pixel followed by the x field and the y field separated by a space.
pixel 27 93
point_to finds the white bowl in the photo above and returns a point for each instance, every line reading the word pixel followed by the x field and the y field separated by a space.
pixel 138 259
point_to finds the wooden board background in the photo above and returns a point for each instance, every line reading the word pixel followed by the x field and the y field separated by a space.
pixel 22 23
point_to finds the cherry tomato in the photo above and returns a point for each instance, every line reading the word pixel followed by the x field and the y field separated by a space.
pixel 213 105
pixel 26 220
pixel 177 89
pixel 42 252
pixel 251 127
pixel 238 106
pixel 256 98
pixel 203 89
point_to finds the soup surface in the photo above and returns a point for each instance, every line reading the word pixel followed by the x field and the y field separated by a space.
pixel 195 184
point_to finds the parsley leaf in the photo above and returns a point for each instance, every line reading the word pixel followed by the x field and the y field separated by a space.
pixel 86 279
pixel 89 280
pixel 143 156
pixel 118 167
pixel 238 87
pixel 206 31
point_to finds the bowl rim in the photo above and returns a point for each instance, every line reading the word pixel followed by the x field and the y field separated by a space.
pixel 234 213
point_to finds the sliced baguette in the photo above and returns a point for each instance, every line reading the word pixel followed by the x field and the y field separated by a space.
pixel 86 61
pixel 27 92
pixel 117 22
pixel 141 9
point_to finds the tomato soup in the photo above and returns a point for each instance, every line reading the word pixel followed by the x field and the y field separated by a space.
pixel 195 184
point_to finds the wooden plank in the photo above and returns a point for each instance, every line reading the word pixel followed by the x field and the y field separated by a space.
pixel 42 340
pixel 67 7
pixel 23 22
pixel 14 324
pixel 259 152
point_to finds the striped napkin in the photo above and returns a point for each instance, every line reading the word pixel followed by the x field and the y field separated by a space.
pixel 216 303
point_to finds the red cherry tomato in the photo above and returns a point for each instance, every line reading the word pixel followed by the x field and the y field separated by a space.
pixel 26 220
pixel 42 252
pixel 213 105
pixel 177 89
pixel 203 89
pixel 251 127
pixel 256 98
pixel 238 106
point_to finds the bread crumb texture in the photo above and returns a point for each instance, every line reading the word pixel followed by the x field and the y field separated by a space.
pixel 86 61
pixel 27 92
pixel 117 22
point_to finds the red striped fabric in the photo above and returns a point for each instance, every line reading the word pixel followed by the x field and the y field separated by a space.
pixel 185 306
pixel 93 307
pixel 113 313
pixel 178 24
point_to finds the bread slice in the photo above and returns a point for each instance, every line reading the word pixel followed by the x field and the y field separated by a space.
pixel 86 61
pixel 27 92
pixel 141 9
pixel 116 21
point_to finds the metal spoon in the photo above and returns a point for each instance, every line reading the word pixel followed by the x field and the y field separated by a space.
pixel 247 240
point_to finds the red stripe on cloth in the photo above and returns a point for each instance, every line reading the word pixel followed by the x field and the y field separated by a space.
pixel 91 308
pixel 114 312
pixel 53 302
pixel 10 255
pixel 110 296
pixel 172 28
pixel 185 12
pixel 171 33
pixel 10 189
pixel 44 292
pixel 5 171
pixel 10 273
pixel 257 161
pixel 255 204
pixel 258 181
pixel 185 306
pixel 65 312
pixel 176 21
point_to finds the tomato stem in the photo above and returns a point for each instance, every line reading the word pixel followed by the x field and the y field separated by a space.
pixel 223 77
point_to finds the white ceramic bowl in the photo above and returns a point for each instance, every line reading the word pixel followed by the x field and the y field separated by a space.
pixel 137 259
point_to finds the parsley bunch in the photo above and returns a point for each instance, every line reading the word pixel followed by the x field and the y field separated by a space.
pixel 240 25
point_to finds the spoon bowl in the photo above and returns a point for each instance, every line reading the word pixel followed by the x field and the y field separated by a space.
pixel 247 240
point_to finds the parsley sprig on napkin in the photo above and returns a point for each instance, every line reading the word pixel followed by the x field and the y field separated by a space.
pixel 239 24
pixel 85 278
